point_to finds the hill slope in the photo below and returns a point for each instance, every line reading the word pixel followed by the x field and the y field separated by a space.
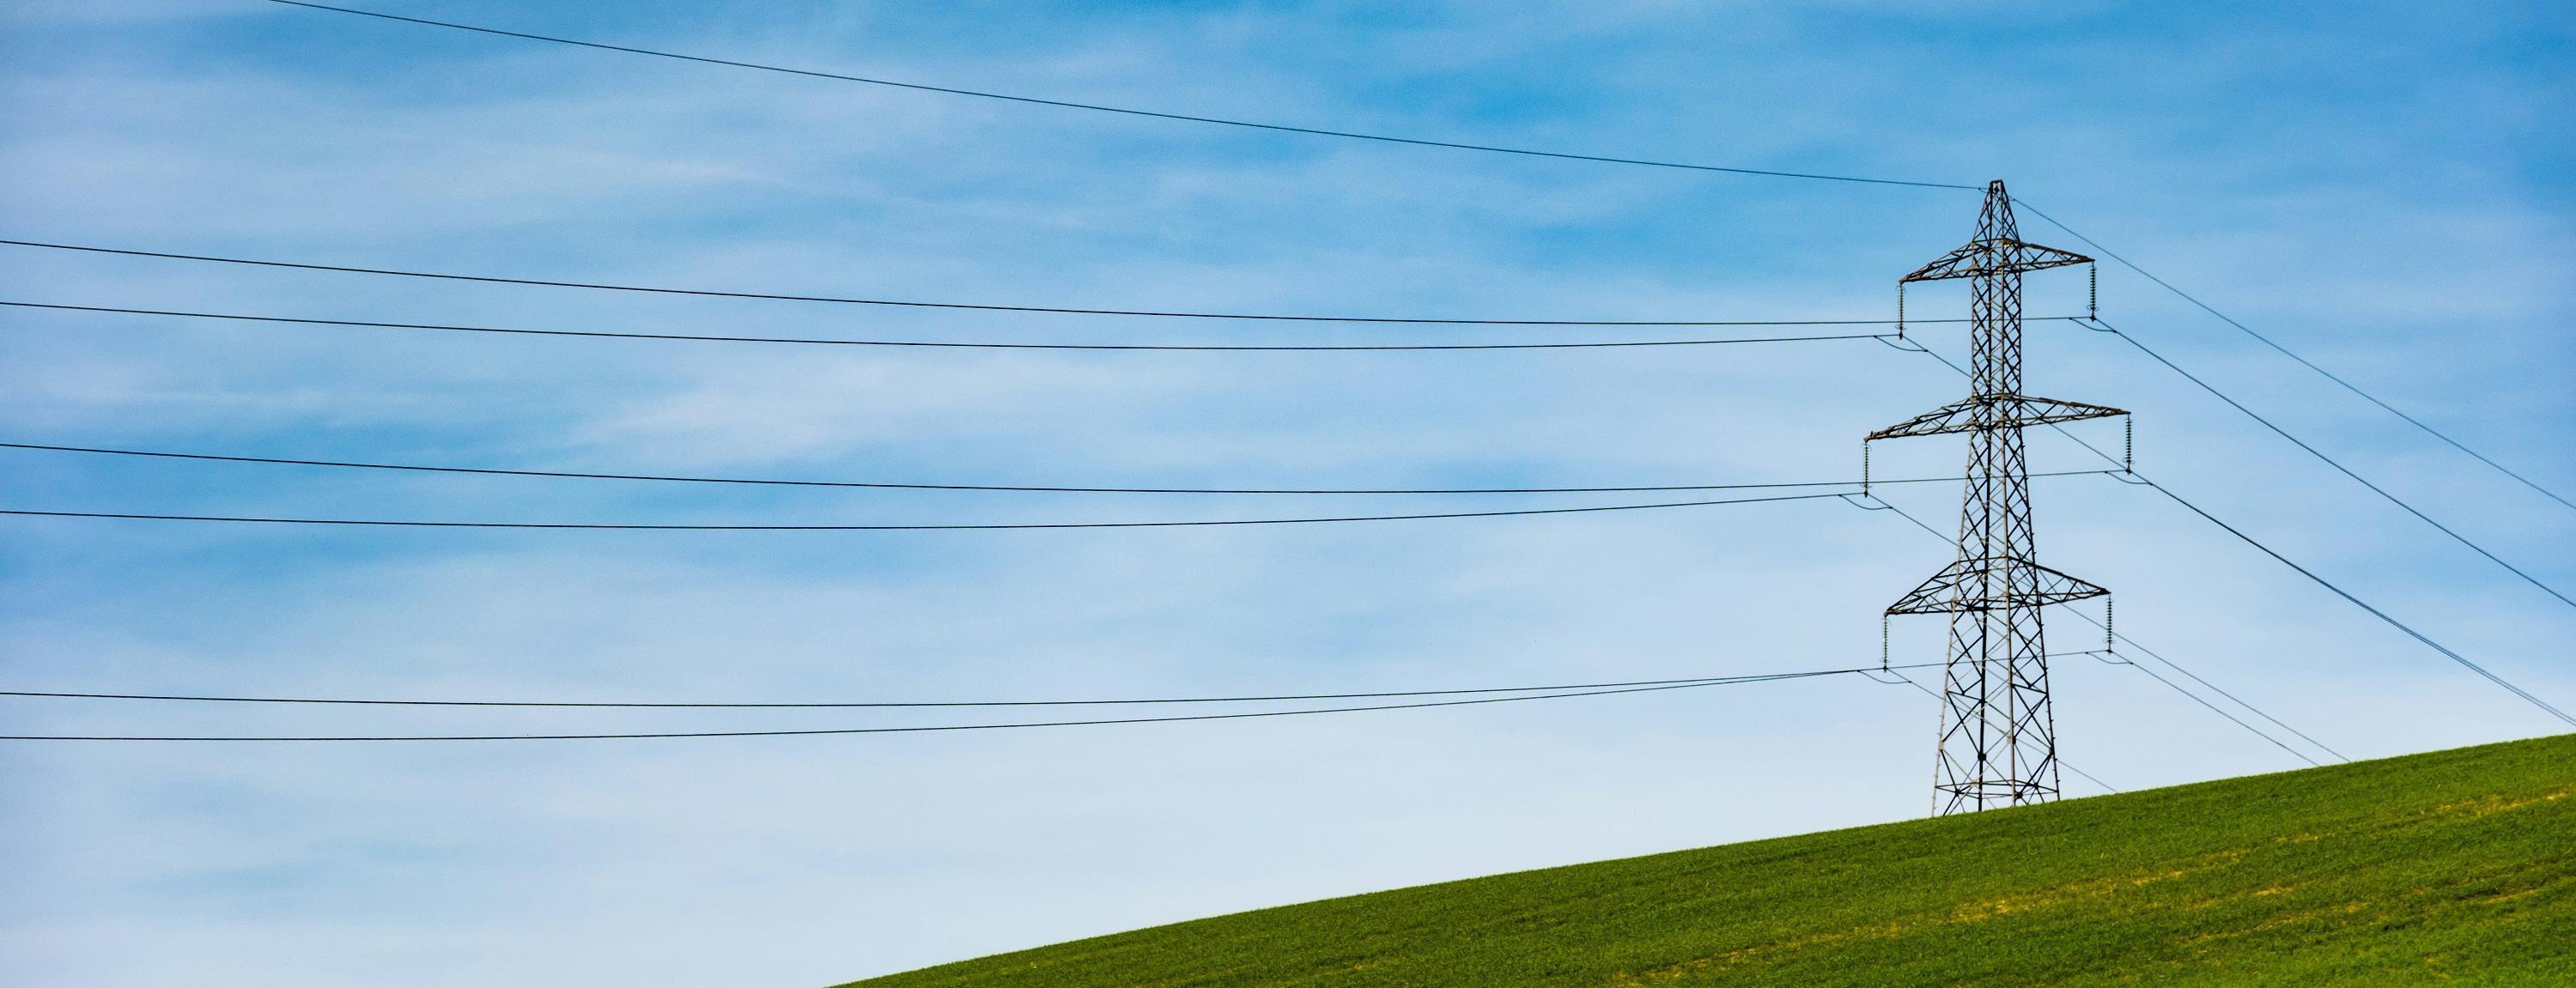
pixel 2457 866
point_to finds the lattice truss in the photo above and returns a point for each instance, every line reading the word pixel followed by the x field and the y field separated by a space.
pixel 1998 735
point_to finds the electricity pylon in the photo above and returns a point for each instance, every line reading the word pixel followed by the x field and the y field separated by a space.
pixel 1998 741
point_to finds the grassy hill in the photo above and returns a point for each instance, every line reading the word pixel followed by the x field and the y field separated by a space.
pixel 2452 867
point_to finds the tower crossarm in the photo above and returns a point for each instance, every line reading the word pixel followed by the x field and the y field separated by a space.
pixel 1994 255
pixel 1983 412
pixel 1971 584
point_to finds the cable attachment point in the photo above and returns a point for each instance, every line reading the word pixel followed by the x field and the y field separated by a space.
pixel 1901 342
pixel 1854 501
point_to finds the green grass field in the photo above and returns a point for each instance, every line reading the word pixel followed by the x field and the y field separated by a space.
pixel 2457 867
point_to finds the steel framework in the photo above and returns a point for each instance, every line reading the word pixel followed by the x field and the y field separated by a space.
pixel 1998 736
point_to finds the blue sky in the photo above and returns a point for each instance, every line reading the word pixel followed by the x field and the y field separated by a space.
pixel 2383 188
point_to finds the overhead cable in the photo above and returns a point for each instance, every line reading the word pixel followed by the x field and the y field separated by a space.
pixel 2239 721
pixel 2169 684
pixel 2339 467
pixel 2374 612
pixel 942 344
pixel 2132 643
pixel 937 728
pixel 883 485
pixel 870 705
pixel 2303 361
pixel 1156 114
pixel 2115 256
pixel 1014 526
pixel 843 300
pixel 2285 560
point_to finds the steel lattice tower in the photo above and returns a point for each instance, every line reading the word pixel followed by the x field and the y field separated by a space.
pixel 1998 740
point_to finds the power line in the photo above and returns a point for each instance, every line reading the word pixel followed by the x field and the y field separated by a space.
pixel 2213 687
pixel 879 485
pixel 2124 469
pixel 2284 560
pixel 2339 467
pixel 842 300
pixel 2238 721
pixel 873 705
pixel 600 526
pixel 2177 667
pixel 2256 731
pixel 929 344
pixel 2374 612
pixel 1727 681
pixel 1156 114
pixel 2114 255
pixel 2303 361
